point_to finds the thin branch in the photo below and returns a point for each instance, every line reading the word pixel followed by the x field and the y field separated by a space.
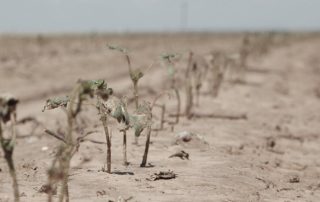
pixel 93 141
pixel 49 132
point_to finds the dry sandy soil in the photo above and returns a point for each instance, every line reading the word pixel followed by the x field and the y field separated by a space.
pixel 234 160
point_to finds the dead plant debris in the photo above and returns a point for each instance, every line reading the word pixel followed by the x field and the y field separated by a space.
pixel 181 154
pixel 162 175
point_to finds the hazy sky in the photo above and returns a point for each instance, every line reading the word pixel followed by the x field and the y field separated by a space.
pixel 156 15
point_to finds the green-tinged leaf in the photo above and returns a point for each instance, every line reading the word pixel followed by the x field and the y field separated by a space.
pixel 117 109
pixel 169 56
pixel 100 87
pixel 88 85
pixel 56 102
pixel 138 122
pixel 118 48
pixel 141 119
pixel 136 75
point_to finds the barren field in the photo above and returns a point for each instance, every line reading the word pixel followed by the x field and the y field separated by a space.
pixel 270 155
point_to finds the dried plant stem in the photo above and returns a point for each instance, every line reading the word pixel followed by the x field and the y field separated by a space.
pixel 51 180
pixel 129 63
pixel 13 119
pixel 189 100
pixel 163 111
pixel 178 104
pixel 175 89
pixel 145 155
pixel 217 84
pixel 244 54
pixel 65 167
pixel 135 82
pixel 8 147
pixel 197 96
pixel 49 132
pixel 189 94
pixel 70 147
pixel 104 120
pixel 136 94
pixel 125 162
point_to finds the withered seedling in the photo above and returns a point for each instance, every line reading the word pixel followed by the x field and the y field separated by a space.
pixel 244 52
pixel 8 105
pixel 168 59
pixel 117 108
pixel 135 74
pixel 188 86
pixel 141 119
pixel 162 108
pixel 100 90
pixel 59 171
pixel 197 70
pixel 219 64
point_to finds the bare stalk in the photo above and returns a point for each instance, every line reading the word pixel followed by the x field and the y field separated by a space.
pixel 162 107
pixel 145 155
pixel 51 179
pixel 125 162
pixel 70 147
pixel 217 84
pixel 219 65
pixel 244 54
pixel 104 120
pixel 134 78
pixel 8 147
pixel 163 111
pixel 176 91
pixel 198 86
pixel 189 94
pixel 136 94
pixel 171 70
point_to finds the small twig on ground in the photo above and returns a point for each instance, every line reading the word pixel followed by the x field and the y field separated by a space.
pixel 216 116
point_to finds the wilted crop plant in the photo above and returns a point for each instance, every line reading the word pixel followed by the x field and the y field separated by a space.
pixel 8 105
pixel 67 149
pixel 197 70
pixel 189 85
pixel 100 90
pixel 162 108
pixel 117 108
pixel 59 170
pixel 243 60
pixel 140 120
pixel 168 58
pixel 219 64
pixel 135 74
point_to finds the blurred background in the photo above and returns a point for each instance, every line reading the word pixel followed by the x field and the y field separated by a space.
pixel 71 16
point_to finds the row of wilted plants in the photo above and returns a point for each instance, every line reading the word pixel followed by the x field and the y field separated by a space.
pixel 211 69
